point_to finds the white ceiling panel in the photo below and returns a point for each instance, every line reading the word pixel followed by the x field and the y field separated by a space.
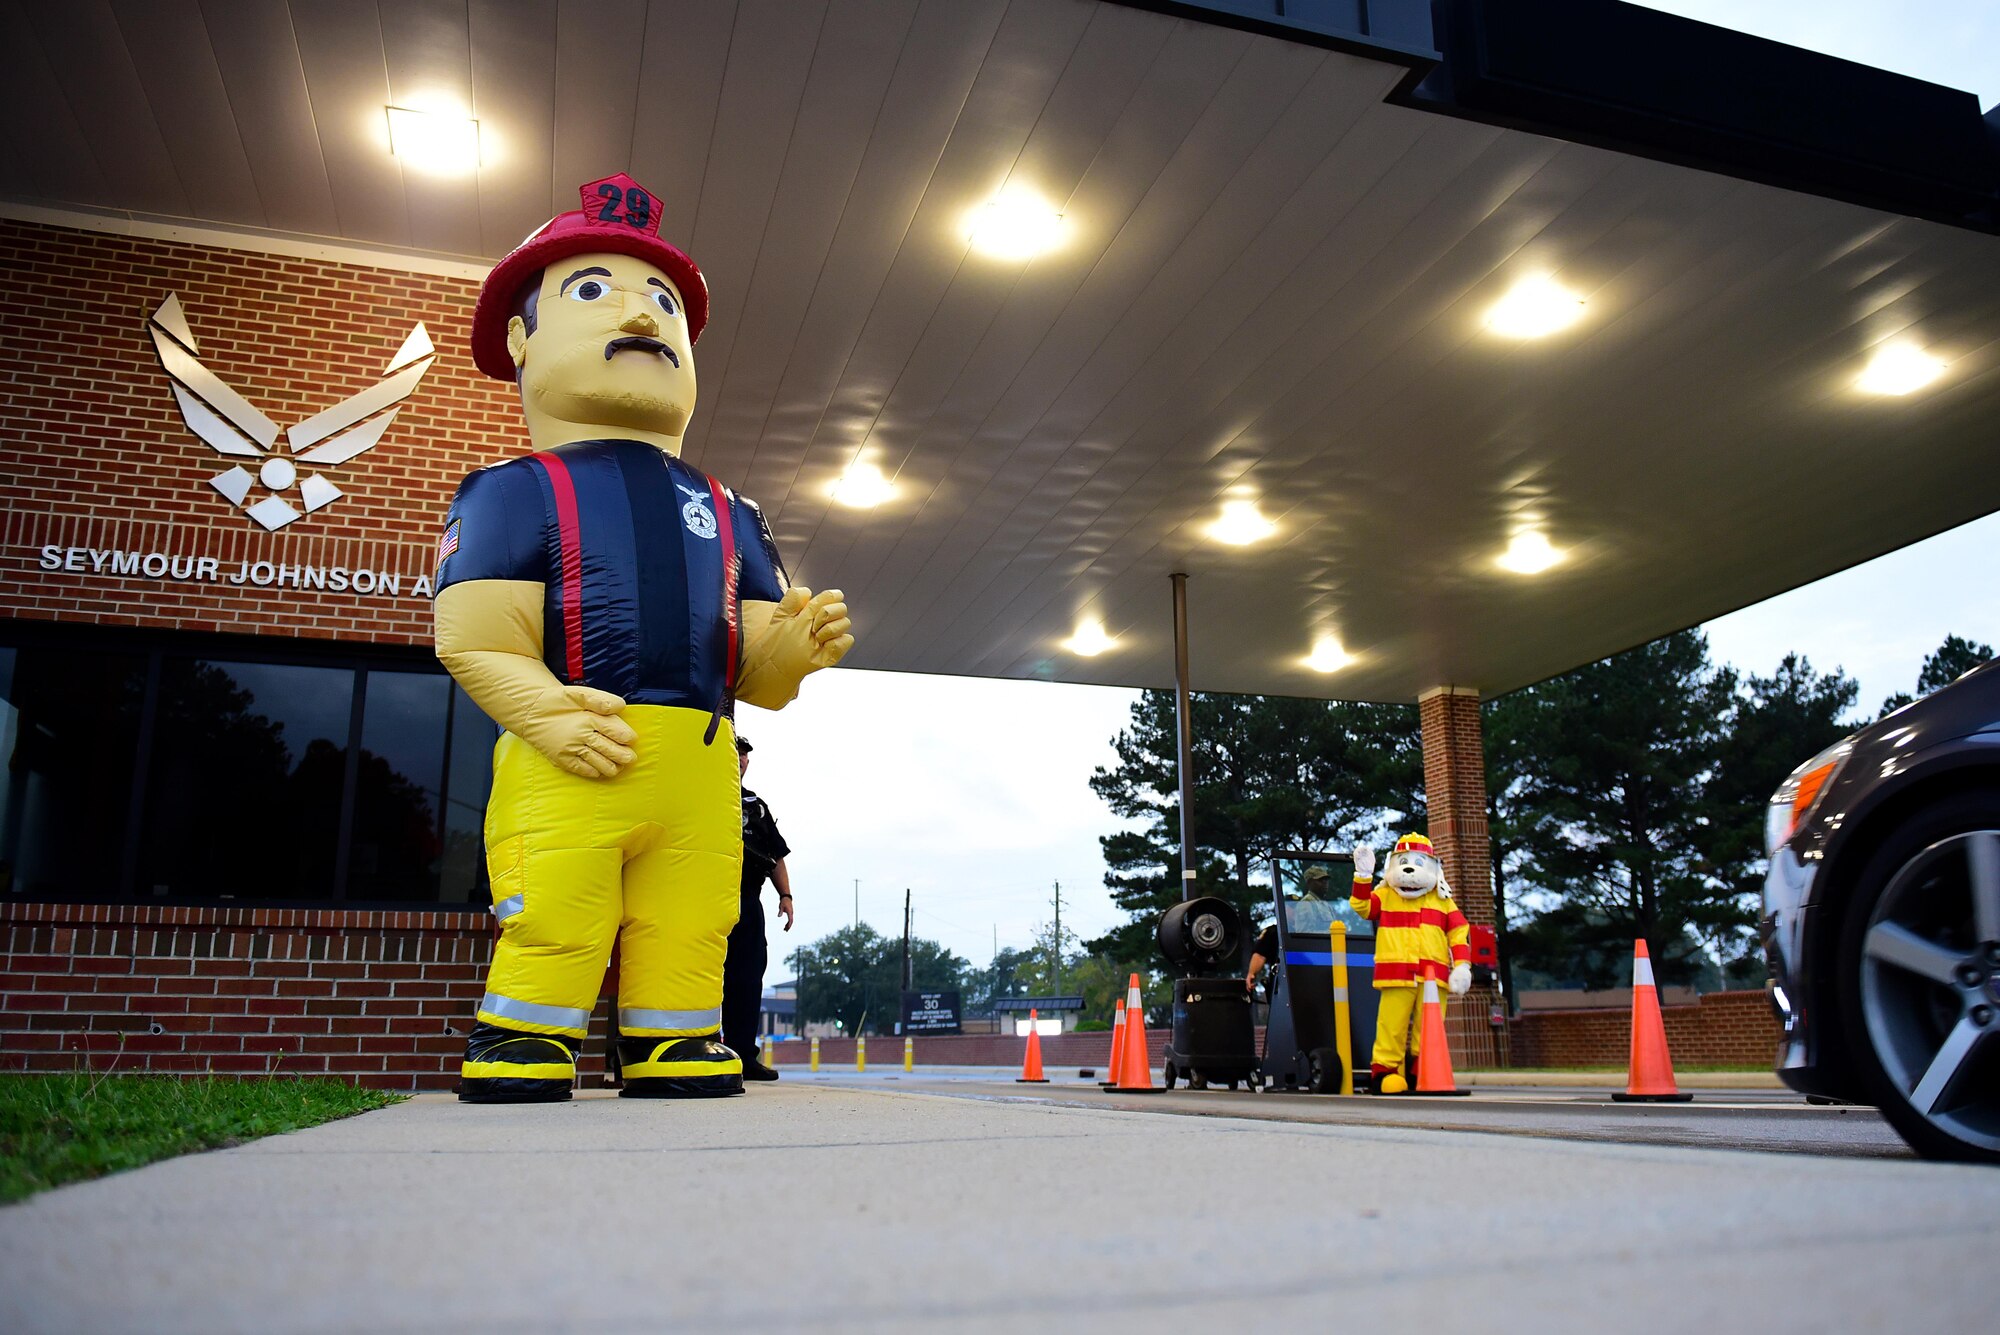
pixel 598 75
pixel 347 77
pixel 427 50
pixel 176 68
pixel 86 51
pixel 256 48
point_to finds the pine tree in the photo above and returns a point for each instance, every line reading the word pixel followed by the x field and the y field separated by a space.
pixel 1953 659
pixel 1628 799
pixel 1272 773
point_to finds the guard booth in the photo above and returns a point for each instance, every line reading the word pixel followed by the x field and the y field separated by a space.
pixel 1053 1015
pixel 1319 1028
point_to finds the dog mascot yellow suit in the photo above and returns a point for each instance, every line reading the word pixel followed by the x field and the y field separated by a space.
pixel 607 604
pixel 1419 934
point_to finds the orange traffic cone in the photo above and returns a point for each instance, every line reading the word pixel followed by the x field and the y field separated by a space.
pixel 1650 1079
pixel 1117 1056
pixel 1031 1065
pixel 1433 1050
pixel 1135 1072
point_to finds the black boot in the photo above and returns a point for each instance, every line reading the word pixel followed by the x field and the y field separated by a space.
pixel 678 1068
pixel 753 1069
pixel 508 1066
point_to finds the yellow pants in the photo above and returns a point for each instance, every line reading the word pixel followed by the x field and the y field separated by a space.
pixel 1394 1009
pixel 652 858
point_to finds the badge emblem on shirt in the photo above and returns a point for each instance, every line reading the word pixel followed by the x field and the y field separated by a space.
pixel 449 542
pixel 700 520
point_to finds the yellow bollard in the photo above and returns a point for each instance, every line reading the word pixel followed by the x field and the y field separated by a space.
pixel 1343 1017
pixel 909 1053
pixel 861 1052
pixel 815 1054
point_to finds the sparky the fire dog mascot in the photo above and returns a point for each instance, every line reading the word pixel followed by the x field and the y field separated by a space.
pixel 607 604
pixel 1419 934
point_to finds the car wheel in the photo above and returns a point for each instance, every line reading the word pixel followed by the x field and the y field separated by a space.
pixel 1168 1074
pixel 1920 978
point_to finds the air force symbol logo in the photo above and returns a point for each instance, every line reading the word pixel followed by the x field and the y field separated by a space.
pixel 700 520
pixel 232 428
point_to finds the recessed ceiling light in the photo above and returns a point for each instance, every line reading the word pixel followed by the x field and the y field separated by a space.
pixel 1241 524
pixel 1014 226
pixel 1899 368
pixel 1529 554
pixel 862 487
pixel 446 145
pixel 1328 656
pixel 1089 640
pixel 1534 308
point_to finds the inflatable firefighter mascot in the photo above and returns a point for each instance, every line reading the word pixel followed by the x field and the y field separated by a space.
pixel 607 604
pixel 1419 934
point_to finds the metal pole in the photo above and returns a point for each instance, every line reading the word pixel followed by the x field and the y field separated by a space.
pixel 1184 715
pixel 1055 964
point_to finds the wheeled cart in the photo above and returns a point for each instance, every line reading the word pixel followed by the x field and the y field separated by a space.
pixel 1323 999
pixel 1214 1041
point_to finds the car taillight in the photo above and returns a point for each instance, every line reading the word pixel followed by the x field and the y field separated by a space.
pixel 1800 792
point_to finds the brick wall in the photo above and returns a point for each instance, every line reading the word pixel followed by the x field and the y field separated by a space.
pixel 380 998
pixel 1722 1028
pixel 1455 796
pixel 95 454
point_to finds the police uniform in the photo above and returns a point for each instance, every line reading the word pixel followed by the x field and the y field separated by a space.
pixel 749 953
pixel 629 544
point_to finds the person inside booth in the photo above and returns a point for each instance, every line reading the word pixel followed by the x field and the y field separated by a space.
pixel 1264 952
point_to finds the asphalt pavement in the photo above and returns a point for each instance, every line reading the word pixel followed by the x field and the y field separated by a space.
pixel 1729 1116
pixel 869 1205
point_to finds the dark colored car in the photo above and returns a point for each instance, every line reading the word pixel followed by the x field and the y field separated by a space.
pixel 1882 920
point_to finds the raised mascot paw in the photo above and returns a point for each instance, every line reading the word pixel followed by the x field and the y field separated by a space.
pixel 827 613
pixel 1461 979
pixel 1364 860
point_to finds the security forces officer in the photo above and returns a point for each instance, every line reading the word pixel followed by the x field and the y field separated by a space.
pixel 764 854
pixel 1265 951
pixel 606 604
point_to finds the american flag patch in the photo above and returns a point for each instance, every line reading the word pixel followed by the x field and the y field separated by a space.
pixel 449 542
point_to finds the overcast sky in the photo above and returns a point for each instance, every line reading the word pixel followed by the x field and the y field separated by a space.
pixel 974 794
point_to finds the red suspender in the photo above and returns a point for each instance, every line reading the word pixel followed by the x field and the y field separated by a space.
pixel 731 568
pixel 572 559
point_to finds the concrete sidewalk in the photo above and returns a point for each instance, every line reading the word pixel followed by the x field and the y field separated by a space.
pixel 840 1207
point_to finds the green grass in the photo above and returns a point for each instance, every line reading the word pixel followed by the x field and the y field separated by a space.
pixel 67 1128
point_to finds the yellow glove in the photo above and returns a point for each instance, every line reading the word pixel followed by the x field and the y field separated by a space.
pixel 787 640
pixel 489 637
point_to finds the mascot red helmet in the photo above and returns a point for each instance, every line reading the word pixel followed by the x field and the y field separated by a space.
pixel 618 216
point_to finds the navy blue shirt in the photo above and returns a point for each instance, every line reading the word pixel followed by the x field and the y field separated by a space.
pixel 626 540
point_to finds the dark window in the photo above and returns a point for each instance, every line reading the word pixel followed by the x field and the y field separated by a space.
pixel 467 783
pixel 191 769
pixel 69 731
pixel 419 791
pixel 399 787
pixel 243 800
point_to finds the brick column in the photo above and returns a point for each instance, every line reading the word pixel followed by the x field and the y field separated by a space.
pixel 1455 793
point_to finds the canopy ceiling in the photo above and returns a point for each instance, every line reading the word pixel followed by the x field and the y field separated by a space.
pixel 1274 285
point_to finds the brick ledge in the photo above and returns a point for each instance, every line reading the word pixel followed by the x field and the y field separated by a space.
pixel 470 920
